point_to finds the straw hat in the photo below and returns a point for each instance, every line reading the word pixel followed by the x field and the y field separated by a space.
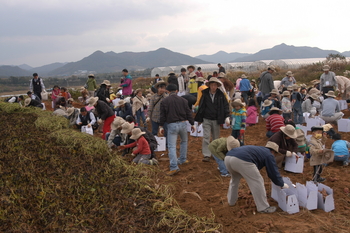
pixel 192 75
pixel 313 82
pixel 136 133
pixel 274 91
pixel 127 127
pixel 330 94
pixel 92 101
pixel 266 103
pixel 253 80
pixel 289 130
pixel 127 100
pixel 272 145
pixel 159 83
pixel 243 76
pixel 106 82
pixel 290 88
pixel 231 143
pixel 82 89
pixel 149 95
pixel 286 93
pixel 275 109
pixel 91 75
pixel 117 122
pixel 200 79
pixel 327 127
pixel 70 111
pixel 191 66
pixel 120 103
pixel 213 80
pixel 314 96
pixel 237 102
pixel 70 99
pixel 222 75
pixel 27 102
pixel 326 68
pixel 289 73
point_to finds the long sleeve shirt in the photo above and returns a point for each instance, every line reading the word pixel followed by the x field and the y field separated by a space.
pixel 286 105
pixel 266 83
pixel 261 157
pixel 199 93
pixel 330 106
pixel 154 107
pixel 142 146
pixel 274 122
pixel 328 80
pixel 92 118
pixel 239 119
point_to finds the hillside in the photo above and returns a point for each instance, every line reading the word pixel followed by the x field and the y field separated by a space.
pixel 113 62
pixel 7 71
pixel 284 51
pixel 221 57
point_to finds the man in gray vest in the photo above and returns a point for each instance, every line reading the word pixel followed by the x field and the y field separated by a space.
pixel 36 85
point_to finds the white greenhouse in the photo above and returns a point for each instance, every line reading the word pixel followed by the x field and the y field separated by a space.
pixel 295 63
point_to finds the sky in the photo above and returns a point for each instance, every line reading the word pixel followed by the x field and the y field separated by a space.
pixel 40 32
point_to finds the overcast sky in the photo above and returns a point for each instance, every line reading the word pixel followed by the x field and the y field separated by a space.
pixel 40 32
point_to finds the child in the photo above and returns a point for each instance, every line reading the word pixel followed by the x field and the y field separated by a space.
pixel 193 85
pixel 219 147
pixel 341 149
pixel 252 113
pixel 286 106
pixel 238 118
pixel 54 95
pixel 318 154
pixel 142 149
pixel 274 122
pixel 266 106
pixel 297 102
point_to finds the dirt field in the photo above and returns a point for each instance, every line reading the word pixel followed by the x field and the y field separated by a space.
pixel 199 189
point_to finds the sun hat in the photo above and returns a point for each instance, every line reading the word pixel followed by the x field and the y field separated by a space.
pixel 222 75
pixel 271 68
pixel 127 127
pixel 117 122
pixel 330 94
pixel 231 143
pixel 191 66
pixel 326 68
pixel 70 99
pixel 290 88
pixel 266 103
pixel 253 80
pixel 27 102
pixel 295 87
pixel 106 82
pixel 192 75
pixel 289 130
pixel 237 102
pixel 314 96
pixel 213 80
pixel 289 73
pixel 91 75
pixel 327 127
pixel 200 79
pixel 272 145
pixel 274 91
pixel 70 111
pixel 92 101
pixel 120 103
pixel 243 76
pixel 82 89
pixel 160 83
pixel 286 93
pixel 275 109
pixel 118 94
pixel 136 133
pixel 149 95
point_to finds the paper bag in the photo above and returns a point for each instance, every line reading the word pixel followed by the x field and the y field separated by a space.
pixel 292 164
pixel 161 143
pixel 344 125
pixel 85 129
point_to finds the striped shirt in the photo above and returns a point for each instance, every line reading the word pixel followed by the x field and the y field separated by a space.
pixel 274 122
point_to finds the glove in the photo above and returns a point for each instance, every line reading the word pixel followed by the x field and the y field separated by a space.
pixel 227 121
pixel 147 119
pixel 285 186
pixel 288 154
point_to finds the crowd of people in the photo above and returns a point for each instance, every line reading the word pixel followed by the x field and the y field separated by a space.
pixel 172 104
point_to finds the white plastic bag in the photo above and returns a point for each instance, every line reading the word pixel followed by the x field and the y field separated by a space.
pixel 88 130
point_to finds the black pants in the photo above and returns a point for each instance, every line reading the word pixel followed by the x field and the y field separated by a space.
pixel 317 172
pixel 325 90
pixel 38 94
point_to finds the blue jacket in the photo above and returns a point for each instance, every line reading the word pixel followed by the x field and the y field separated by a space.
pixel 261 157
pixel 340 147
pixel 244 85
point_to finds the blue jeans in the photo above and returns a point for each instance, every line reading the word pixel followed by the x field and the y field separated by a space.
pixel 298 115
pixel 245 96
pixel 222 166
pixel 269 134
pixel 140 115
pixel 175 129
pixel 345 158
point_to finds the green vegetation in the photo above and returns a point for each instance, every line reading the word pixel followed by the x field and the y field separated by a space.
pixel 56 179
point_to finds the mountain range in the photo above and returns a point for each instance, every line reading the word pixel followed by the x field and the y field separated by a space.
pixel 100 62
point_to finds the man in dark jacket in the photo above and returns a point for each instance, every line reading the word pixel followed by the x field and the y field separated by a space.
pixel 213 111
pixel 246 161
pixel 173 79
pixel 266 81
pixel 36 85
pixel 175 112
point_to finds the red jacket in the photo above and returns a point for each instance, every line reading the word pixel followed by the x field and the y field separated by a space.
pixel 274 122
pixel 142 146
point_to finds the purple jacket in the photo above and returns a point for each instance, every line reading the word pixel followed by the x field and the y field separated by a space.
pixel 127 85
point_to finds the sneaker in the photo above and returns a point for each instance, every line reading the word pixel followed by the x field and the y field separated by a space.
pixel 345 163
pixel 154 162
pixel 268 210
pixel 206 159
pixel 320 180
pixel 226 175
pixel 186 162
pixel 173 172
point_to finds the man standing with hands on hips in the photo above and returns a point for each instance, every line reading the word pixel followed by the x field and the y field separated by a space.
pixel 175 112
